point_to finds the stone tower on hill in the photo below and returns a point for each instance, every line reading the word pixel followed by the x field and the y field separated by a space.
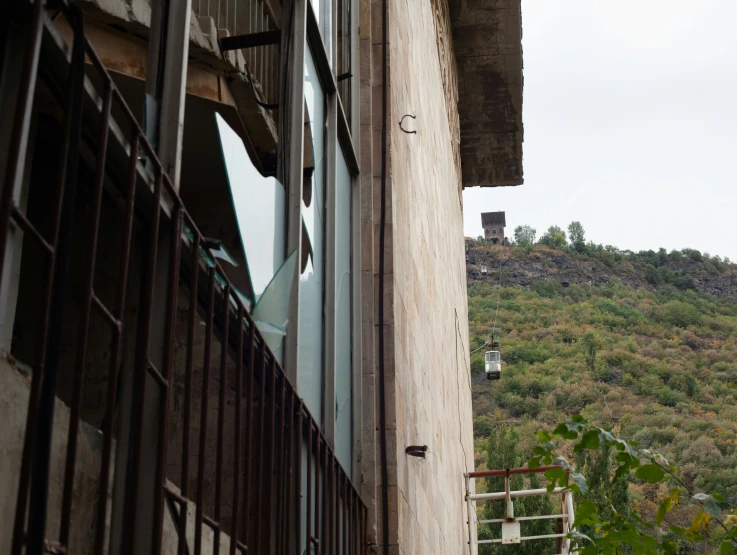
pixel 494 224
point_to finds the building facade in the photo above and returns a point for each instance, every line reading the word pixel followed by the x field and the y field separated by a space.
pixel 232 295
pixel 494 224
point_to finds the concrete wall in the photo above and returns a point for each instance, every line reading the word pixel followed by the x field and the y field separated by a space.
pixel 426 332
pixel 432 388
pixel 16 385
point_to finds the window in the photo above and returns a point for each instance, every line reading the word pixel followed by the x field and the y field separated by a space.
pixel 310 367
pixel 325 344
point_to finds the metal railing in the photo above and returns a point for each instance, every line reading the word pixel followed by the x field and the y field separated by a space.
pixel 510 524
pixel 248 17
pixel 233 440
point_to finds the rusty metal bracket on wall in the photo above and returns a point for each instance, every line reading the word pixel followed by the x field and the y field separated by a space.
pixel 401 121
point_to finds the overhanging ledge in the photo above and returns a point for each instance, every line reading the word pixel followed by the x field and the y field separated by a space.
pixel 487 40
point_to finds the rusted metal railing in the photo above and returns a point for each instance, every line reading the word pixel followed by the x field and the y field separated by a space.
pixel 249 17
pixel 233 440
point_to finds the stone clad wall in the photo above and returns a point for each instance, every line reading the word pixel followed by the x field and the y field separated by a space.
pixel 429 381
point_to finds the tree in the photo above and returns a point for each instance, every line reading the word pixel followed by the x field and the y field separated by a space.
pixel 613 531
pixel 591 343
pixel 554 237
pixel 500 450
pixel 609 496
pixel 577 236
pixel 524 235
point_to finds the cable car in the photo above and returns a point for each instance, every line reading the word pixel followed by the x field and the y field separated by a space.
pixel 493 361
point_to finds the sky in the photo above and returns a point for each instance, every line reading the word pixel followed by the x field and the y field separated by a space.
pixel 630 124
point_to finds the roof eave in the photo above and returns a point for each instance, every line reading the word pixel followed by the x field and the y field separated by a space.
pixel 487 40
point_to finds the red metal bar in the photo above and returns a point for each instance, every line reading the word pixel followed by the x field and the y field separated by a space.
pixel 290 493
pixel 42 333
pixel 157 375
pixel 260 477
pixel 84 323
pixel 335 509
pixel 112 320
pixel 188 365
pixel 249 433
pixel 510 471
pixel 23 222
pixel 235 537
pixel 203 416
pixel 308 502
pixel 318 449
pixel 18 145
pixel 298 480
pixel 325 530
pixel 117 352
pixel 175 251
pixel 280 462
pixel 143 342
pixel 221 416
pixel 271 456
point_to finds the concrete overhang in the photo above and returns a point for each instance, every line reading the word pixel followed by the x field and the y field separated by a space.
pixel 487 40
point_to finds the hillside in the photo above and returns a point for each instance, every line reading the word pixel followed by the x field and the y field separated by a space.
pixel 644 343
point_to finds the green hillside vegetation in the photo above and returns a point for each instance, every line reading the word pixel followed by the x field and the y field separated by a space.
pixel 657 365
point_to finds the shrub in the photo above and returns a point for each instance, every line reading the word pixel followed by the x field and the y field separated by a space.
pixel 668 397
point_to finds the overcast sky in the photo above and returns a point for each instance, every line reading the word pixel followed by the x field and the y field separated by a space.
pixel 630 117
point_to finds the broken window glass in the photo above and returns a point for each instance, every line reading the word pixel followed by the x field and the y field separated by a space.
pixel 260 208
pixel 312 279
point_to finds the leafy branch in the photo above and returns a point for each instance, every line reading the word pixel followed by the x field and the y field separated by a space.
pixel 610 535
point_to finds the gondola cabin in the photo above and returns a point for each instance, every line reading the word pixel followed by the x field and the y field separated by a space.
pixel 493 361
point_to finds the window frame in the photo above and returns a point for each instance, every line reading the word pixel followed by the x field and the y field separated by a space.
pixel 306 34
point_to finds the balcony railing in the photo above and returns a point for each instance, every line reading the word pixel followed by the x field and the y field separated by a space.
pixel 248 17
pixel 205 443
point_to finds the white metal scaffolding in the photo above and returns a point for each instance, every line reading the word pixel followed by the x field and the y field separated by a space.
pixel 510 525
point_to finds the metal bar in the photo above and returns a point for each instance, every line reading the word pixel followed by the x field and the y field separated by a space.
pixel 298 480
pixel 335 509
pixel 157 375
pixel 510 471
pixel 539 517
pixel 318 481
pixel 308 502
pixel 53 317
pixel 469 511
pixel 249 433
pixel 19 144
pixel 175 251
pixel 293 123
pixel 203 415
pixel 117 353
pixel 176 496
pixel 238 429
pixel 281 461
pixel 543 537
pixel 251 40
pixel 325 530
pixel 188 367
pixel 84 323
pixel 271 456
pixel 514 494
pixel 211 522
pixel 112 320
pixel 25 224
pixel 345 513
pixel 292 496
pixel 143 362
pixel 364 526
pixel 221 414
pixel 262 423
